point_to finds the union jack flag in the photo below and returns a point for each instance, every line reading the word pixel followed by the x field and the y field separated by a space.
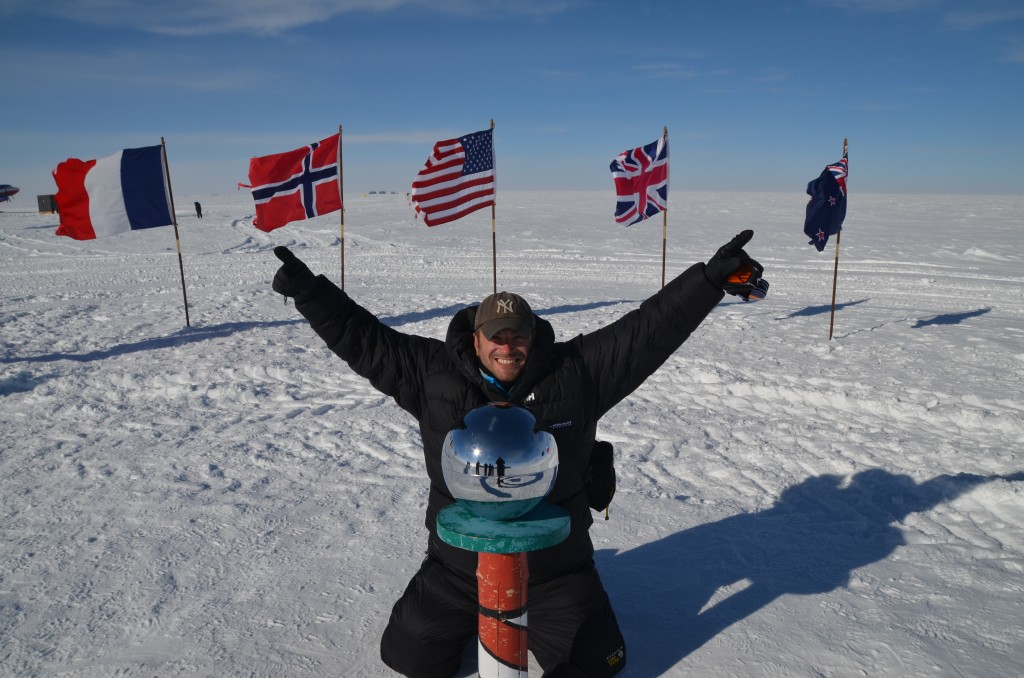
pixel 641 182
pixel 296 185
pixel 458 178
pixel 826 208
pixel 839 171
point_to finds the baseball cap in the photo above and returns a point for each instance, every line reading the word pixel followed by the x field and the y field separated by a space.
pixel 504 310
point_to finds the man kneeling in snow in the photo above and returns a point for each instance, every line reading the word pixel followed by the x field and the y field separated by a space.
pixel 501 351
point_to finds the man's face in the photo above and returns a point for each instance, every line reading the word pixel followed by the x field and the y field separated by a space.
pixel 503 355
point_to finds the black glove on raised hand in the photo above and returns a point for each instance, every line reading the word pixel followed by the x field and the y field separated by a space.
pixel 735 272
pixel 294 278
pixel 746 282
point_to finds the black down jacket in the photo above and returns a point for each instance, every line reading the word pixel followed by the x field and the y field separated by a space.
pixel 568 385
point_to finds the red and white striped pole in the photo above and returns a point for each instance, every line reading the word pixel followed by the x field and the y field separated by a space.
pixel 502 588
pixel 502 576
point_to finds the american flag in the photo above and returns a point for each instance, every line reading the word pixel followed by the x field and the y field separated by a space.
pixel 826 208
pixel 458 178
pixel 641 182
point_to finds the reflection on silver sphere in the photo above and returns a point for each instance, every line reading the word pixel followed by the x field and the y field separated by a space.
pixel 499 466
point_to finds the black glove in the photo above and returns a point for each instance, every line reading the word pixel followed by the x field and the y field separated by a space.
pixel 735 272
pixel 294 278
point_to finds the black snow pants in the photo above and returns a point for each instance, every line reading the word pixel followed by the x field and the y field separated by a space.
pixel 572 627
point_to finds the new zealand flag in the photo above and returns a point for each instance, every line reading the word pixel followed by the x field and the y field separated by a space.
pixel 826 208
pixel 641 182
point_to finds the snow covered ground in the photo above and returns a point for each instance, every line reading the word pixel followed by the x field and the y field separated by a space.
pixel 229 499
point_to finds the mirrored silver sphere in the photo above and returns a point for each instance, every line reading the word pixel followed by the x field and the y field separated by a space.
pixel 499 466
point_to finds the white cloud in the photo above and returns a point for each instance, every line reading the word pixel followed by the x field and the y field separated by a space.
pixel 668 70
pixel 974 18
pixel 976 14
pixel 884 6
pixel 1014 53
pixel 772 74
pixel 132 68
pixel 264 17
pixel 402 137
pixel 554 74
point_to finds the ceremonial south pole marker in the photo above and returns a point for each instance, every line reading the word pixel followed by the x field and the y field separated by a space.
pixel 502 574
pixel 499 466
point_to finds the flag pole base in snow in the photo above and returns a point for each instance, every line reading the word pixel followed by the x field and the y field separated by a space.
pixel 502 575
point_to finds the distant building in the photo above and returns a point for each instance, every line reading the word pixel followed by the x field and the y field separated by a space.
pixel 47 204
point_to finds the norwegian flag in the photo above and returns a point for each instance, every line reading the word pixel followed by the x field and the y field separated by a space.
pixel 458 178
pixel 296 185
pixel 641 182
pixel 826 208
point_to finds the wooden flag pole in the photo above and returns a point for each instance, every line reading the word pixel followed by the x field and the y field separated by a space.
pixel 341 196
pixel 835 272
pixel 494 226
pixel 174 220
pixel 835 275
pixel 664 229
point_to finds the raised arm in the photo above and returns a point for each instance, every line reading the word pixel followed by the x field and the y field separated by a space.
pixel 393 362
pixel 622 355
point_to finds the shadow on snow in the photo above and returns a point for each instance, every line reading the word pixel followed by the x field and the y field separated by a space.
pixel 182 337
pixel 674 595
pixel 452 309
pixel 826 308
pixel 950 318
pixel 22 382
pixel 189 335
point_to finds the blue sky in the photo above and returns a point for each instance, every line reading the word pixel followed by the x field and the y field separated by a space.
pixel 757 95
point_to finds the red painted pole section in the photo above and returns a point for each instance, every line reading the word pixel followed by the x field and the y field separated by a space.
pixel 502 588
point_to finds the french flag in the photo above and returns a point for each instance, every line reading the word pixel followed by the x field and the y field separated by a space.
pixel 124 192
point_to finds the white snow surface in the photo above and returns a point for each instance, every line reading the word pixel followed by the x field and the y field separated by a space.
pixel 230 499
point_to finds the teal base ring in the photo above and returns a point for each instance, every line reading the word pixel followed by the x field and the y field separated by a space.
pixel 543 527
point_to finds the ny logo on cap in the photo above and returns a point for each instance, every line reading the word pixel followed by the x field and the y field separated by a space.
pixel 505 306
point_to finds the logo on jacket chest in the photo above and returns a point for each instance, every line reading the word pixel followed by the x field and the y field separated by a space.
pixel 531 398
